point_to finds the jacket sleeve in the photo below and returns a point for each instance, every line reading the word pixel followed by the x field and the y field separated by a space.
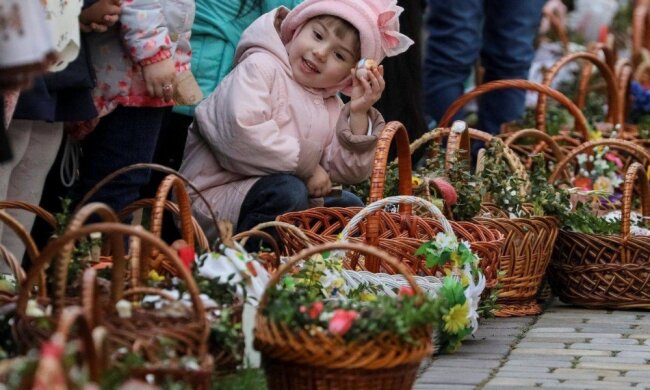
pixel 348 158
pixel 144 30
pixel 237 122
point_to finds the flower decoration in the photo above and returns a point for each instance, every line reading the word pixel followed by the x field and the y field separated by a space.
pixel 462 287
pixel 600 172
pixel 392 41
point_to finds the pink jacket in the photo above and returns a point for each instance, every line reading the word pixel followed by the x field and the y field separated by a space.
pixel 259 121
pixel 149 31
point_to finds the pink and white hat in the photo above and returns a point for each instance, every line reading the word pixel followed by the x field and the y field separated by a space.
pixel 376 20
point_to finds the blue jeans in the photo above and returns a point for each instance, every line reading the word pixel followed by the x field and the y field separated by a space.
pixel 126 136
pixel 501 32
pixel 277 194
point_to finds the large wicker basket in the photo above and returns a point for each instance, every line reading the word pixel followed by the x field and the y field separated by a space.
pixel 399 234
pixel 296 360
pixel 606 271
pixel 528 241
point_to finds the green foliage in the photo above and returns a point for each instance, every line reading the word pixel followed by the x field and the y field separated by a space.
pixel 498 181
pixel 546 198
pixel 310 298
pixel 246 379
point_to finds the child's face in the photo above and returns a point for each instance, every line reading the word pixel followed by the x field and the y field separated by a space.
pixel 319 58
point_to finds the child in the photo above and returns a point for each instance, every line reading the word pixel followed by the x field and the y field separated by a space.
pixel 274 134
pixel 136 63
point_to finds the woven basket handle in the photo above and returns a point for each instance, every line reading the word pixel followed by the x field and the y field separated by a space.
pixel 637 151
pixel 587 70
pixel 115 232
pixel 458 142
pixel 279 225
pixel 90 297
pixel 334 246
pixel 30 248
pixel 153 167
pixel 199 235
pixel 32 208
pixel 581 121
pixel 635 174
pixel 400 199
pixel 397 131
pixel 614 111
pixel 640 31
pixel 538 135
pixel 560 29
pixel 244 236
pixel 62 262
pixel 168 183
pixel 70 317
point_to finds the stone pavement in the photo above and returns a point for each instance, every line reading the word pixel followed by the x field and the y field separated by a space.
pixel 565 347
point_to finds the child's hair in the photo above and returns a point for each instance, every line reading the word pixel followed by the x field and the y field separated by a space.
pixel 341 29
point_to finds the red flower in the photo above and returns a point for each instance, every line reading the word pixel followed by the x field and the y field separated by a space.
pixel 342 321
pixel 187 255
pixel 315 310
pixel 583 183
pixel 406 291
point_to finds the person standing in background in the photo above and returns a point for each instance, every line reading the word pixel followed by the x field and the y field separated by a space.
pixel 499 32
pixel 402 99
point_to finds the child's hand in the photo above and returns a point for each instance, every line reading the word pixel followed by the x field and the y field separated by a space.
pixel 100 16
pixel 319 184
pixel 159 78
pixel 366 92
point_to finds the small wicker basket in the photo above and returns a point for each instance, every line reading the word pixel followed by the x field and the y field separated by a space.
pixel 296 360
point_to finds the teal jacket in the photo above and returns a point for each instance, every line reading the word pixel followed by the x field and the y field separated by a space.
pixel 215 34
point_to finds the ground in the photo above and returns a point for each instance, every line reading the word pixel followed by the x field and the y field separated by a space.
pixel 564 347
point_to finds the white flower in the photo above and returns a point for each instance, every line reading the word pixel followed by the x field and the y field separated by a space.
pixel 513 193
pixel 473 295
pixel 582 158
pixel 33 310
pixel 123 308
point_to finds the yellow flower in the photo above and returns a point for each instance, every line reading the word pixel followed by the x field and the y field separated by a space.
pixel 367 297
pixel 603 184
pixel 595 134
pixel 456 259
pixel 457 318
pixel 464 280
pixel 155 277
pixel 416 181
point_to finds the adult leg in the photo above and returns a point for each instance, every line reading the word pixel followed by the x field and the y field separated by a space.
pixel 508 37
pixel 452 48
pixel 18 134
pixel 126 136
pixel 28 177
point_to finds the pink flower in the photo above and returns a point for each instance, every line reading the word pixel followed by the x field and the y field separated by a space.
pixel 315 310
pixel 615 159
pixel 406 291
pixel 342 321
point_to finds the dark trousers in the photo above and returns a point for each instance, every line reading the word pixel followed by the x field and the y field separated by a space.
pixel 124 137
pixel 501 32
pixel 277 194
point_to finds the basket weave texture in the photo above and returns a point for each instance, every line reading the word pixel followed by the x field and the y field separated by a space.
pixel 399 234
pixel 528 243
pixel 606 271
pixel 297 360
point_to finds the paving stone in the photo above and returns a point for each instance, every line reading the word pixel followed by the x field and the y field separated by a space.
pixel 642 385
pixel 541 358
pixel 533 363
pixel 638 373
pixel 526 344
pixel 520 382
pixel 615 360
pixel 640 336
pixel 468 377
pixel 588 372
pixel 639 354
pixel 630 379
pixel 576 335
pixel 551 351
pixel 563 340
pixel 610 347
pixel 609 341
pixel 592 385
pixel 463 355
pixel 533 375
pixel 521 368
pixel 487 349
pixel 431 386
pixel 466 363
pixel 551 330
pixel 613 366
pixel 506 387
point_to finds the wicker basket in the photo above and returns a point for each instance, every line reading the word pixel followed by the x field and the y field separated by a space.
pixel 399 234
pixel 140 332
pixel 296 360
pixel 606 271
pixel 528 241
